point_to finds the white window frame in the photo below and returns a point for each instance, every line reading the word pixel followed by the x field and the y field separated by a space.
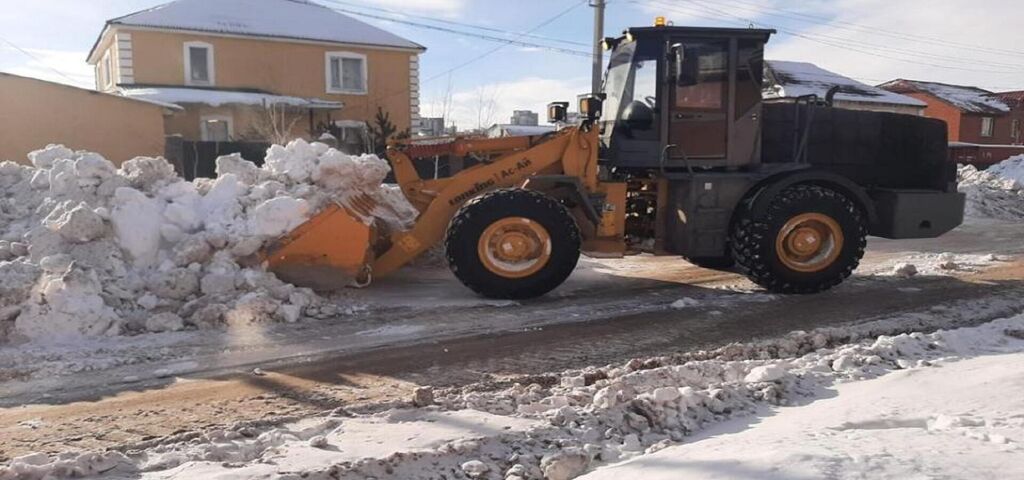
pixel 210 64
pixel 107 71
pixel 205 135
pixel 327 72
pixel 989 122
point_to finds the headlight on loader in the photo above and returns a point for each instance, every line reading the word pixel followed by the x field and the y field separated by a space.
pixel 558 112
pixel 591 106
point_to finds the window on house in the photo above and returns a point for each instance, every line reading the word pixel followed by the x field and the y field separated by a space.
pixel 216 129
pixel 199 69
pixel 987 126
pixel 346 72
pixel 1015 130
pixel 108 68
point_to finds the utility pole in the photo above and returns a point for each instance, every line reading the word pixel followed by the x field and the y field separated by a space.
pixel 595 79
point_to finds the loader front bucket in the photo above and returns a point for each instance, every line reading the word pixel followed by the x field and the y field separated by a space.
pixel 327 252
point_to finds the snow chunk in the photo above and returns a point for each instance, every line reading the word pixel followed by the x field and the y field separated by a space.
pixel 46 157
pixel 70 307
pixel 765 373
pixel 475 468
pixel 905 270
pixel 164 322
pixel 685 302
pixel 137 220
pixel 278 216
pixel 78 224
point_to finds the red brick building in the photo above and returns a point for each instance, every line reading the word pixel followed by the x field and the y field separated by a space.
pixel 984 127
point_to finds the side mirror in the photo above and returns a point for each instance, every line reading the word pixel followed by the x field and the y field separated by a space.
pixel 683 74
pixel 558 112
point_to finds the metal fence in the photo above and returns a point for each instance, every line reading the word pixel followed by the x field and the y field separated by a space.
pixel 199 159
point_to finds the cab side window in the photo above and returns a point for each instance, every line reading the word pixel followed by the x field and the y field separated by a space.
pixel 707 63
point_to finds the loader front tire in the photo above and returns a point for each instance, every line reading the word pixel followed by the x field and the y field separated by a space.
pixel 809 239
pixel 512 244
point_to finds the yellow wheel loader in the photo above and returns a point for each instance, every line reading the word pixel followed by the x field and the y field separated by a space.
pixel 677 156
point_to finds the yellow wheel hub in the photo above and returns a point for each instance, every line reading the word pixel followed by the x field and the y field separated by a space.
pixel 809 242
pixel 515 247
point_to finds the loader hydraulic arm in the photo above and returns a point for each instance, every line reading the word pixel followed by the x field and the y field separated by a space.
pixel 571 152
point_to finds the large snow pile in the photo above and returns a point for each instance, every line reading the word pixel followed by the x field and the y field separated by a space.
pixel 88 249
pixel 994 193
pixel 560 425
pixel 1012 168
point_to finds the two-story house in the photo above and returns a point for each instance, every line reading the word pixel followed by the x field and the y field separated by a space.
pixel 984 127
pixel 242 67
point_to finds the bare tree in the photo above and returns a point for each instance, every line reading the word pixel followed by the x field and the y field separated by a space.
pixel 273 123
pixel 447 103
pixel 486 106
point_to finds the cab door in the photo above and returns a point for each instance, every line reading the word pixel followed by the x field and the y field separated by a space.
pixel 699 109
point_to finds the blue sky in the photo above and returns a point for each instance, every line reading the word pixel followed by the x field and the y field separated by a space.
pixel 954 41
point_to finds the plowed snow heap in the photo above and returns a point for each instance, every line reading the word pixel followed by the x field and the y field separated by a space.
pixel 997 192
pixel 87 249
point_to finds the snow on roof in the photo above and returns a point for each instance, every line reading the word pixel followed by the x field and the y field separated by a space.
pixel 508 130
pixel 1015 98
pixel 293 19
pixel 216 98
pixel 965 98
pixel 795 79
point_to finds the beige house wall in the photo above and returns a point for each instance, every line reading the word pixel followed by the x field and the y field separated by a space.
pixel 156 57
pixel 37 113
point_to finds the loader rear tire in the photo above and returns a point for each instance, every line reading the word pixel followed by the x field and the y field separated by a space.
pixel 512 244
pixel 809 239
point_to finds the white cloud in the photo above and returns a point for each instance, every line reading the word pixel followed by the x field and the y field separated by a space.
pixel 472 106
pixel 47 63
pixel 444 7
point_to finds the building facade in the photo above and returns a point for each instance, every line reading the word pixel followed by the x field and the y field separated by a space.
pixel 525 118
pixel 974 115
pixel 37 113
pixel 260 69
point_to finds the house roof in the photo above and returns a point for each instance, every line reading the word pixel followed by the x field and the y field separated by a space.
pixel 219 97
pixel 965 98
pixel 1014 99
pixel 287 19
pixel 795 79
pixel 509 130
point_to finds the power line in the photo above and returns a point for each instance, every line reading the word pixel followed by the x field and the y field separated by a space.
pixel 460 24
pixel 491 38
pixel 41 62
pixel 876 46
pixel 504 42
pixel 843 44
pixel 817 19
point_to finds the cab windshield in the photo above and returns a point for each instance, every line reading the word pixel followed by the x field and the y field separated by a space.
pixel 632 77
pixel 619 69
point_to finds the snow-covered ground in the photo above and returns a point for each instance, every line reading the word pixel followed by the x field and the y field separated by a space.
pixel 89 252
pixel 806 405
pixel 953 419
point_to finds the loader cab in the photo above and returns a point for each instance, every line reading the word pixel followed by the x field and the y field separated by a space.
pixel 680 98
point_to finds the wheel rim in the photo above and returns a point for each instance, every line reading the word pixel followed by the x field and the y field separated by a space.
pixel 514 247
pixel 809 242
